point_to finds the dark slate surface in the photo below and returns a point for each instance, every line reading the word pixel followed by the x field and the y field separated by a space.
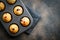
pixel 48 27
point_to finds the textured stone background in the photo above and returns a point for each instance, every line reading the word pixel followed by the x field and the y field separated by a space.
pixel 48 28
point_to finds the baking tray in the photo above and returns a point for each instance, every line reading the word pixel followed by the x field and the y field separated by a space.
pixel 15 19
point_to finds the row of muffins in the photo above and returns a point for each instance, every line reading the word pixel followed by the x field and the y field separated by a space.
pixel 7 17
pixel 2 5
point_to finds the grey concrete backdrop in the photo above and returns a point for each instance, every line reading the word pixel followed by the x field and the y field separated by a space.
pixel 48 28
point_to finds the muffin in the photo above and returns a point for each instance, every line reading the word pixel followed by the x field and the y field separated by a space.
pixel 11 1
pixel 2 6
pixel 18 10
pixel 25 21
pixel 6 17
pixel 13 28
